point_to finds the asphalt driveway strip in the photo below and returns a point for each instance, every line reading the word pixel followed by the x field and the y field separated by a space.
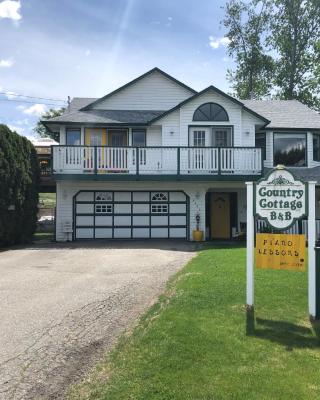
pixel 64 305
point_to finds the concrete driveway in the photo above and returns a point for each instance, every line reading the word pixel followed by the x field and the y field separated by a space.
pixel 63 306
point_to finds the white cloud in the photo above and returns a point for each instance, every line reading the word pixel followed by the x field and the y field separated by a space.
pixel 10 9
pixel 36 109
pixel 87 53
pixel 215 43
pixel 6 63
pixel 11 95
pixel 21 107
pixel 170 18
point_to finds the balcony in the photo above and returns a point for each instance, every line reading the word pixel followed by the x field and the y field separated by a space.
pixel 143 163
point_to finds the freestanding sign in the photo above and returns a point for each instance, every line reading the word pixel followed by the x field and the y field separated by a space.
pixel 280 199
pixel 280 251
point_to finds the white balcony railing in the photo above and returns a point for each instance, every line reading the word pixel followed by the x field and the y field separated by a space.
pixel 157 160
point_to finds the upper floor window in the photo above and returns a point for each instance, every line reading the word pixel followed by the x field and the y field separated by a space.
pixel 260 139
pixel 199 138
pixel 73 137
pixel 138 137
pixel 289 149
pixel 316 147
pixel 210 112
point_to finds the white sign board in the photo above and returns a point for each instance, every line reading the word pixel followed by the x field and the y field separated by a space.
pixel 280 199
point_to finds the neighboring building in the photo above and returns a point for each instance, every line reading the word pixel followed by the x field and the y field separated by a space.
pixel 146 159
pixel 43 149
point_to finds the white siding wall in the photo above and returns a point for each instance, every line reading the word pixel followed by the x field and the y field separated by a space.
pixel 154 136
pixel 269 149
pixel 248 128
pixel 154 92
pixel 170 123
pixel 62 139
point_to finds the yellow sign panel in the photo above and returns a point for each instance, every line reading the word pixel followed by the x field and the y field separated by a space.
pixel 280 251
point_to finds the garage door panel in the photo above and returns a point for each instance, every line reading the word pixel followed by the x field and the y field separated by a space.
pixel 122 233
pixel 140 208
pixel 177 220
pixel 140 233
pixel 122 221
pixel 159 220
pixel 122 208
pixel 85 196
pixel 103 221
pixel 84 233
pixel 122 196
pixel 177 233
pixel 177 196
pixel 158 233
pixel 103 233
pixel 141 220
pixel 140 196
pixel 126 215
pixel 84 221
pixel 177 208
pixel 84 209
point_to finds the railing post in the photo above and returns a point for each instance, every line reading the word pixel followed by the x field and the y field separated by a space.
pixel 137 161
pixel 219 160
pixel 178 161
pixel 95 161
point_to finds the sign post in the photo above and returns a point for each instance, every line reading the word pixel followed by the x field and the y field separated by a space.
pixel 311 251
pixel 250 246
pixel 280 200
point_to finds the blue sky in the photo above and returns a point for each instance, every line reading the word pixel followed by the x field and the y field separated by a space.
pixel 53 49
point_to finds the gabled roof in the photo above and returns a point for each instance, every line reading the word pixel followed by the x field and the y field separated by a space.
pixel 213 88
pixel 153 70
pixel 286 114
pixel 128 117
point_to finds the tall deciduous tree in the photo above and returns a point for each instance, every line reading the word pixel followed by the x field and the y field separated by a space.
pixel 40 129
pixel 246 23
pixel 295 37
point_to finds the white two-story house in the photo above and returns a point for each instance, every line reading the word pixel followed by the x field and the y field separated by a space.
pixel 145 160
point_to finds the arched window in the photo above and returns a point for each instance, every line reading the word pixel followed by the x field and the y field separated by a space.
pixel 210 112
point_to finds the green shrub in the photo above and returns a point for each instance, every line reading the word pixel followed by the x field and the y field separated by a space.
pixel 19 178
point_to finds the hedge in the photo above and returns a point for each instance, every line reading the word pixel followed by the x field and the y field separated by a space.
pixel 19 180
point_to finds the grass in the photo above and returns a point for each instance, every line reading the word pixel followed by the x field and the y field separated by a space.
pixel 39 236
pixel 193 344
pixel 47 200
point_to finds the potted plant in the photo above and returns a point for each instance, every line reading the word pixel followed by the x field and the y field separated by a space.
pixel 197 234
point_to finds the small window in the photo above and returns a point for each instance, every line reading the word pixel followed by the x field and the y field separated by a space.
pixel 73 137
pixel 103 196
pixel 210 112
pixel 159 209
pixel 199 138
pixel 261 142
pixel 316 147
pixel 138 138
pixel 289 149
pixel 159 196
pixel 103 208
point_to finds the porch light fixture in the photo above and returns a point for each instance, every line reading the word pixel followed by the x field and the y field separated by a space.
pixel 247 133
pixel 171 133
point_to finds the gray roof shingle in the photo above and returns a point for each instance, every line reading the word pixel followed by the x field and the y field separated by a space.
pixel 73 115
pixel 285 113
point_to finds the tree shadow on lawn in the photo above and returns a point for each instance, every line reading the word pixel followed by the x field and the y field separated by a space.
pixel 285 333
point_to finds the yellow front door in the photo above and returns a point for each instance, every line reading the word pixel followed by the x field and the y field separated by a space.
pixel 220 216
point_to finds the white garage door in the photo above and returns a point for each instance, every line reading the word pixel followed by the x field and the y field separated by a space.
pixel 130 215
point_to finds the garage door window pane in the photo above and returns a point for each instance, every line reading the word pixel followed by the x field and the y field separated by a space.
pixel 159 208
pixel 103 208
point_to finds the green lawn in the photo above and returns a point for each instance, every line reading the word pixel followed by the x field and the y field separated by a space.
pixel 192 345
pixel 47 200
